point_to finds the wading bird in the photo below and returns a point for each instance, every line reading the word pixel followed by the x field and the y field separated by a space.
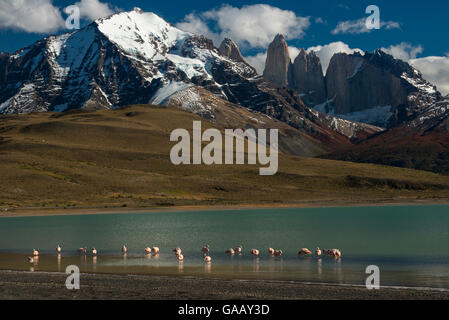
pixel 207 259
pixel 35 253
pixel 238 249
pixel 206 249
pixel 124 249
pixel 177 251
pixel 180 257
pixel 58 249
pixel 278 253
pixel 94 251
pixel 305 252
pixel 271 251
pixel 230 251
pixel 318 252
pixel 30 259
pixel 82 250
pixel 155 250
pixel 255 252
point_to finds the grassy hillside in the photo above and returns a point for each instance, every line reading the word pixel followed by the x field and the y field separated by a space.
pixel 121 158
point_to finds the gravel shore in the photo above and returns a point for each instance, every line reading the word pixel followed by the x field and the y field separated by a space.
pixel 16 285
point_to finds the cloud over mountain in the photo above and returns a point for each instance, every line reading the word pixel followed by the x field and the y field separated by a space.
pixel 359 26
pixel 94 9
pixel 252 26
pixel 31 16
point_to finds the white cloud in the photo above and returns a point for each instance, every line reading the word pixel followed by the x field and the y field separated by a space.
pixel 359 26
pixel 404 51
pixel 252 26
pixel 435 70
pixel 293 52
pixel 258 61
pixel 94 9
pixel 195 24
pixel 32 16
pixel 326 52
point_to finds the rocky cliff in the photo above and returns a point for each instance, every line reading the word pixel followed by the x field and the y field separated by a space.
pixel 278 64
pixel 308 78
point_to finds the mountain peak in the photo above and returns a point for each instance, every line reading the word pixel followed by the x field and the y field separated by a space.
pixel 229 48
pixel 278 63
pixel 144 33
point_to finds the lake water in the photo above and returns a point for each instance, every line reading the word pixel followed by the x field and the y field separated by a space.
pixel 410 244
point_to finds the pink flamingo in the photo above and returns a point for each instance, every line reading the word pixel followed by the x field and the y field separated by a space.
pixel 94 251
pixel 271 251
pixel 205 250
pixel 239 249
pixel 58 249
pixel 124 249
pixel 255 252
pixel 278 253
pixel 305 252
pixel 230 251
pixel 207 259
pixel 147 250
pixel 177 251
pixel 318 252
pixel 35 253
pixel 155 250
pixel 82 250
pixel 180 257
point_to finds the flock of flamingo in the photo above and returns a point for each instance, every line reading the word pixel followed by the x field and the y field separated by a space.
pixel 336 253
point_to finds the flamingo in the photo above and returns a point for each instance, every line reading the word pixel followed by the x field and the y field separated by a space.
pixel 58 249
pixel 336 253
pixel 230 251
pixel 278 253
pixel 177 251
pixel 94 251
pixel 318 252
pixel 155 250
pixel 30 259
pixel 271 251
pixel 147 250
pixel 206 249
pixel 180 257
pixel 207 259
pixel 35 253
pixel 255 252
pixel 238 249
pixel 124 249
pixel 82 250
pixel 305 252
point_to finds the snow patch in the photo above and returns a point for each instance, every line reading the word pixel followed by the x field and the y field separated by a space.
pixel 167 91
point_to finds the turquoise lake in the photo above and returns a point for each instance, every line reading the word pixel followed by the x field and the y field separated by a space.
pixel 410 244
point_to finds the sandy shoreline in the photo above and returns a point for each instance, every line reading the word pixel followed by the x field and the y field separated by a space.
pixel 27 212
pixel 16 285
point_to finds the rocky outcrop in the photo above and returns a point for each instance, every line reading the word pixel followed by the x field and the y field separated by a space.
pixel 229 48
pixel 309 79
pixel 376 81
pixel 278 64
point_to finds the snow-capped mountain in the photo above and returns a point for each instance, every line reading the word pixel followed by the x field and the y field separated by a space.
pixel 138 58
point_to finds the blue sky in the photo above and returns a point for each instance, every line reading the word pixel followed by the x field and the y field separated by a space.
pixel 422 23
pixel 413 29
